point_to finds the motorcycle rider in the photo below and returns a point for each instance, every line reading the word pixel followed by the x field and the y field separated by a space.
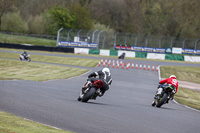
pixel 171 80
pixel 25 54
pixel 104 76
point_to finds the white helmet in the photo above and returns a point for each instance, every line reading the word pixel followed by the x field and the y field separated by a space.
pixel 106 70
pixel 172 76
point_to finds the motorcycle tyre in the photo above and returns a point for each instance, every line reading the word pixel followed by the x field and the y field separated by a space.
pixel 29 59
pixel 88 95
pixel 164 98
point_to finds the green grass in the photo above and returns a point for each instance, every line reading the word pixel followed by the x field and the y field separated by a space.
pixel 190 74
pixel 188 97
pixel 5 38
pixel 185 96
pixel 11 69
pixel 53 59
pixel 12 124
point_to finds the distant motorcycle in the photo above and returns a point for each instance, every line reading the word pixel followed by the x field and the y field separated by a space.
pixel 166 94
pixel 91 92
pixel 25 58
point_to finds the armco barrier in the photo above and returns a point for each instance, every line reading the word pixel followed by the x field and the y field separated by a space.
pixel 174 57
pixel 33 47
pixel 140 54
pixel 94 51
pixel 98 52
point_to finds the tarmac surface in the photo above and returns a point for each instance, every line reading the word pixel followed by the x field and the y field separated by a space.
pixel 125 107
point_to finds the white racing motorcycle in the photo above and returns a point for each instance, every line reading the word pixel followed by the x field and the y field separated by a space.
pixel 25 58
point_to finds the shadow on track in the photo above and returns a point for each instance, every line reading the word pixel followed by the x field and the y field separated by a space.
pixel 101 104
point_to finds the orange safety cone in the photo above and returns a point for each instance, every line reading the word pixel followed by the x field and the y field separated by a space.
pixel 109 62
pixel 140 66
pixel 117 64
pixel 153 68
pixel 144 67
pixel 148 67
pixel 121 62
pixel 99 63
pixel 122 65
pixel 132 65
pixel 128 65
pixel 136 66
pixel 106 61
pixel 108 65
pixel 157 68
pixel 104 64
pixel 113 65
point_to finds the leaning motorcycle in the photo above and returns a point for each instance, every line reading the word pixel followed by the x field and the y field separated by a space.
pixel 166 93
pixel 25 58
pixel 91 92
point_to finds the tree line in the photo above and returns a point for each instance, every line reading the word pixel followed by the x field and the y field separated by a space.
pixel 177 18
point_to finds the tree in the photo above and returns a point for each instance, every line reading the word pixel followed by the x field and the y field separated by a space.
pixel 82 17
pixel 61 16
pixel 85 2
pixel 5 6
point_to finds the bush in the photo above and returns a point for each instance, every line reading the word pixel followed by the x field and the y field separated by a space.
pixel 12 22
pixel 36 25
pixel 82 16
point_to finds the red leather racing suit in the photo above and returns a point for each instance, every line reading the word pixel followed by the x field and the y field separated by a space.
pixel 172 81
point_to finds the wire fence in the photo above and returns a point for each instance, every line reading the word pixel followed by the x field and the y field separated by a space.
pixel 107 40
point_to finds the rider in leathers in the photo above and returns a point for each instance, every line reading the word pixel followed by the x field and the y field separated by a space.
pixel 171 80
pixel 25 54
pixel 104 76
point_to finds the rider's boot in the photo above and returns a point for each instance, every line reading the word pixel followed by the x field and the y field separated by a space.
pixel 99 92
pixel 153 103
pixel 159 91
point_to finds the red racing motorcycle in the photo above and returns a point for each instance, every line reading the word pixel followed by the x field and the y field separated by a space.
pixel 91 92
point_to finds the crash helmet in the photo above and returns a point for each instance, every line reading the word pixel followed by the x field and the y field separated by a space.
pixel 106 70
pixel 172 76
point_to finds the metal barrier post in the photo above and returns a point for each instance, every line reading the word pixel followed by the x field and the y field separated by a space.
pixel 93 35
pixel 115 37
pixel 58 35
pixel 196 42
pixel 68 34
pixel 184 42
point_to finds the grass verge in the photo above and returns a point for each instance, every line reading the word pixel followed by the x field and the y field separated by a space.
pixel 12 124
pixel 11 69
pixel 190 74
pixel 53 59
pixel 188 97
pixel 185 96
pixel 5 38
pixel 95 55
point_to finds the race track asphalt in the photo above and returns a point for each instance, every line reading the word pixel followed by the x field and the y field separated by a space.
pixel 125 107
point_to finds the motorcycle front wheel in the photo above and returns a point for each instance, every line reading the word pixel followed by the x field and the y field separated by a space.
pixel 162 100
pixel 28 59
pixel 89 94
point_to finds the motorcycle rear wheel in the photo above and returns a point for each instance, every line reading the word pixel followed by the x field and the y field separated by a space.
pixel 89 94
pixel 162 101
